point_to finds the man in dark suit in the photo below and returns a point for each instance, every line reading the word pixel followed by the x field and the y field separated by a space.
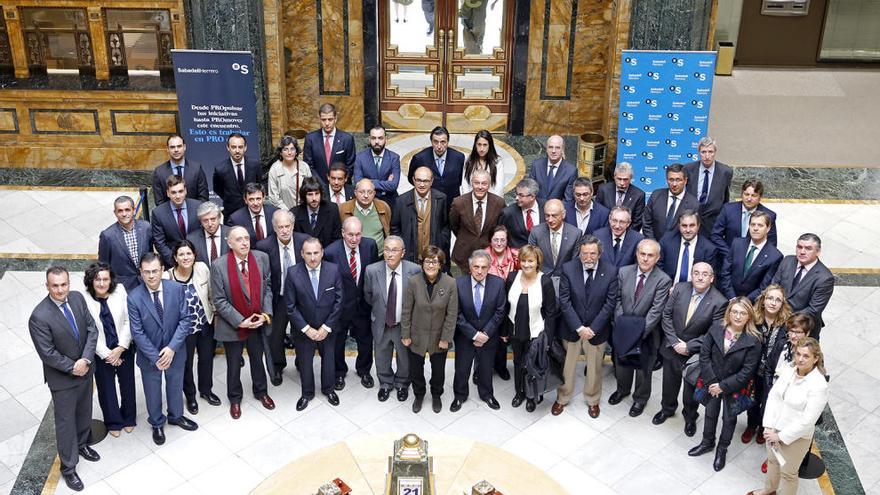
pixel 352 254
pixel 210 239
pixel 233 174
pixel 315 216
pixel 733 221
pixel 255 216
pixel 447 164
pixel 642 291
pixel 421 218
pixel 380 165
pixel 709 181
pixel 808 283
pixel 520 218
pixel 173 220
pixel 122 244
pixel 665 205
pixel 313 293
pixel 751 263
pixel 472 218
pixel 192 172
pixel 584 213
pixel 622 192
pixel 587 296
pixel 680 250
pixel 160 322
pixel 554 174
pixel 557 239
pixel 328 144
pixel 284 250
pixel 692 308
pixel 481 304
pixel 65 335
pixel 338 189
pixel 618 238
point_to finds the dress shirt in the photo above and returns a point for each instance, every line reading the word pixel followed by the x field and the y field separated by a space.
pixel 130 238
pixel 678 199
pixel 281 247
pixel 485 202
pixel 438 159
pixel 690 261
pixel 317 276
pixel 531 211
pixel 338 197
pixel 702 176
pixel 262 214
pixel 583 218
pixel 158 291
pixel 419 200
pixel 807 268
pixel 364 211
pixel 216 239
pixel 549 165
pixel 357 261
pixel 586 272
pixel 332 138
pixel 758 246
pixel 183 209
pixel 482 297
pixel 639 272
pixel 398 280
pixel 174 166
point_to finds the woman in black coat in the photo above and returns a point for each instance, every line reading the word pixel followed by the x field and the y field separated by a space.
pixel 728 359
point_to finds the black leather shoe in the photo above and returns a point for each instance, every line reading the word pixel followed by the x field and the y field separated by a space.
pixel 302 403
pixel 402 394
pixel 340 383
pixel 192 406
pixel 456 405
pixel 720 459
pixel 417 404
pixel 277 379
pixel 73 482
pixel 184 423
pixel 518 399
pixel 333 399
pixel 436 403
pixel 660 418
pixel 701 449
pixel 616 397
pixel 367 381
pixel 492 403
pixel 530 405
pixel 690 428
pixel 158 435
pixel 288 342
pixel 474 377
pixel 384 393
pixel 241 362
pixel 636 409
pixel 89 454
pixel 504 374
pixel 212 398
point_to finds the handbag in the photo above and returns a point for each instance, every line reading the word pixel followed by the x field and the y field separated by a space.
pixel 742 399
pixel 701 391
pixel 692 369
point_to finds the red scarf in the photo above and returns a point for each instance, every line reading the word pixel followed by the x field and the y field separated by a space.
pixel 239 301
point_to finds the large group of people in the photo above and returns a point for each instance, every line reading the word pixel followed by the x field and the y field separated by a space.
pixel 326 250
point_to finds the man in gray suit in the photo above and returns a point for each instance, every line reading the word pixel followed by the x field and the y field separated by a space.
pixel 692 308
pixel 386 338
pixel 557 239
pixel 709 181
pixel 642 291
pixel 808 283
pixel 65 336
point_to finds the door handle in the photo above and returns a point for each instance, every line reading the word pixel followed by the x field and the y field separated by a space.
pixel 442 47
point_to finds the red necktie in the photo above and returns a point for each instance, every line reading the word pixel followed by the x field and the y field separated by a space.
pixel 639 286
pixel 327 148
pixel 213 247
pixel 339 198
pixel 180 224
pixel 258 229
pixel 244 272
pixel 529 223
pixel 352 265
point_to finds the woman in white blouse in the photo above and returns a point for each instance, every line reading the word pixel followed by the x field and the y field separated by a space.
pixel 108 304
pixel 483 156
pixel 286 175
pixel 795 403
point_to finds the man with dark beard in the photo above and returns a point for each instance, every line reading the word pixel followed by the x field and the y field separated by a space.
pixel 380 165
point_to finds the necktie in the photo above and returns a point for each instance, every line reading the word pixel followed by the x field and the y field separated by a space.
pixel 670 216
pixel 314 282
pixel 287 260
pixel 529 222
pixel 478 297
pixel 685 262
pixel 704 193
pixel 178 171
pixel 240 174
pixel 744 229
pixel 213 247
pixel 327 148
pixel 639 287
pixel 377 160
pixel 588 281
pixel 616 248
pixel 422 206
pixel 749 258
pixel 339 200
pixel 440 165
pixel 70 319
pixel 181 225
pixel 353 266
pixel 391 303
pixel 478 216
pixel 554 245
pixel 314 220
pixel 797 277
pixel 244 270
pixel 691 308
pixel 551 174
pixel 620 196
pixel 159 310
pixel 258 228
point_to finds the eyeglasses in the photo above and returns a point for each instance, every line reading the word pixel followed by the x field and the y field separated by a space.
pixel 797 332
pixel 422 181
pixel 738 312
pixel 431 262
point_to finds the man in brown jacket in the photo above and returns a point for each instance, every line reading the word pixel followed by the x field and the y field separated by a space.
pixel 472 218
pixel 374 214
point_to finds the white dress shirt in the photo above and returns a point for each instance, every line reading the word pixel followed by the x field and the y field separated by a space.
pixel 690 260
pixel 398 280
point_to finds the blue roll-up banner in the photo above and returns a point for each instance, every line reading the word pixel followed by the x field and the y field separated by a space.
pixel 664 111
pixel 215 98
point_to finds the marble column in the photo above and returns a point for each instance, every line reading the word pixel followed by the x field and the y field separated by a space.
pixel 670 24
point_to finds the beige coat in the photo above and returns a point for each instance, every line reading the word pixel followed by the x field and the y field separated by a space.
pixel 428 321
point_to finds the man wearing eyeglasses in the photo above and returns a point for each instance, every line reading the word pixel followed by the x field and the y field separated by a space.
pixel 521 217
pixel 421 217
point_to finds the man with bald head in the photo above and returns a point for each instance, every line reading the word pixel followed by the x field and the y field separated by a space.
pixel 374 214
pixel 692 308
pixel 421 217
pixel 553 173
pixel 557 239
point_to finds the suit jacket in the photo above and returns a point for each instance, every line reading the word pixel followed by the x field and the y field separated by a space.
pixel 670 247
pixel 561 188
pixel 568 246
pixel 468 237
pixel 512 218
pixel 152 334
pixel 719 191
pixel 764 265
pixel 382 208
pixel 163 224
pixel 353 290
pixel 453 169
pixel 302 306
pixel 376 291
pixel 365 168
pixel 193 176
pixel 728 226
pixel 242 218
pixel 328 226
pixel 56 344
pixel 491 312
pixel 228 318
pixel 269 246
pixel 709 310
pixel 405 222
pixel 117 301
pixel 634 199
pixel 548 316
pixel 428 320
pixel 594 310
pixel 226 183
pixel 626 254
pixel 598 217
pixel 347 192
pixel 113 251
pixel 651 300
pixel 654 220
pixel 813 291
pixel 343 150
pixel 203 252
pixel 732 369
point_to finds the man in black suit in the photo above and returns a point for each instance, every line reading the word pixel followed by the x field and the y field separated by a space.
pixel 692 308
pixel 808 283
pixel 446 164
pixel 315 216
pixel 622 192
pixel 255 216
pixel 618 238
pixel 65 335
pixel 352 254
pixel 421 217
pixel 751 263
pixel 680 250
pixel 284 250
pixel 554 174
pixel 327 145
pixel 210 239
pixel 338 189
pixel 173 220
pixel 481 304
pixel 733 221
pixel 521 218
pixel 122 244
pixel 177 164
pixel 233 174
pixel 709 181
pixel 584 213
pixel 665 205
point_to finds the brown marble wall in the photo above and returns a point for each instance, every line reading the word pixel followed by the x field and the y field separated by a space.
pixel 275 73
pixel 620 35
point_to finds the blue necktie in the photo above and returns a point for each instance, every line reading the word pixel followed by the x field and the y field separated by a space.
pixel 704 193
pixel 67 314
pixel 685 256
pixel 478 297
pixel 440 166
pixel 159 308
pixel 670 216
pixel 315 282
pixel 314 220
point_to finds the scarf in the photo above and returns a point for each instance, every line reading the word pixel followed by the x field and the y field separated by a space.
pixel 239 301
